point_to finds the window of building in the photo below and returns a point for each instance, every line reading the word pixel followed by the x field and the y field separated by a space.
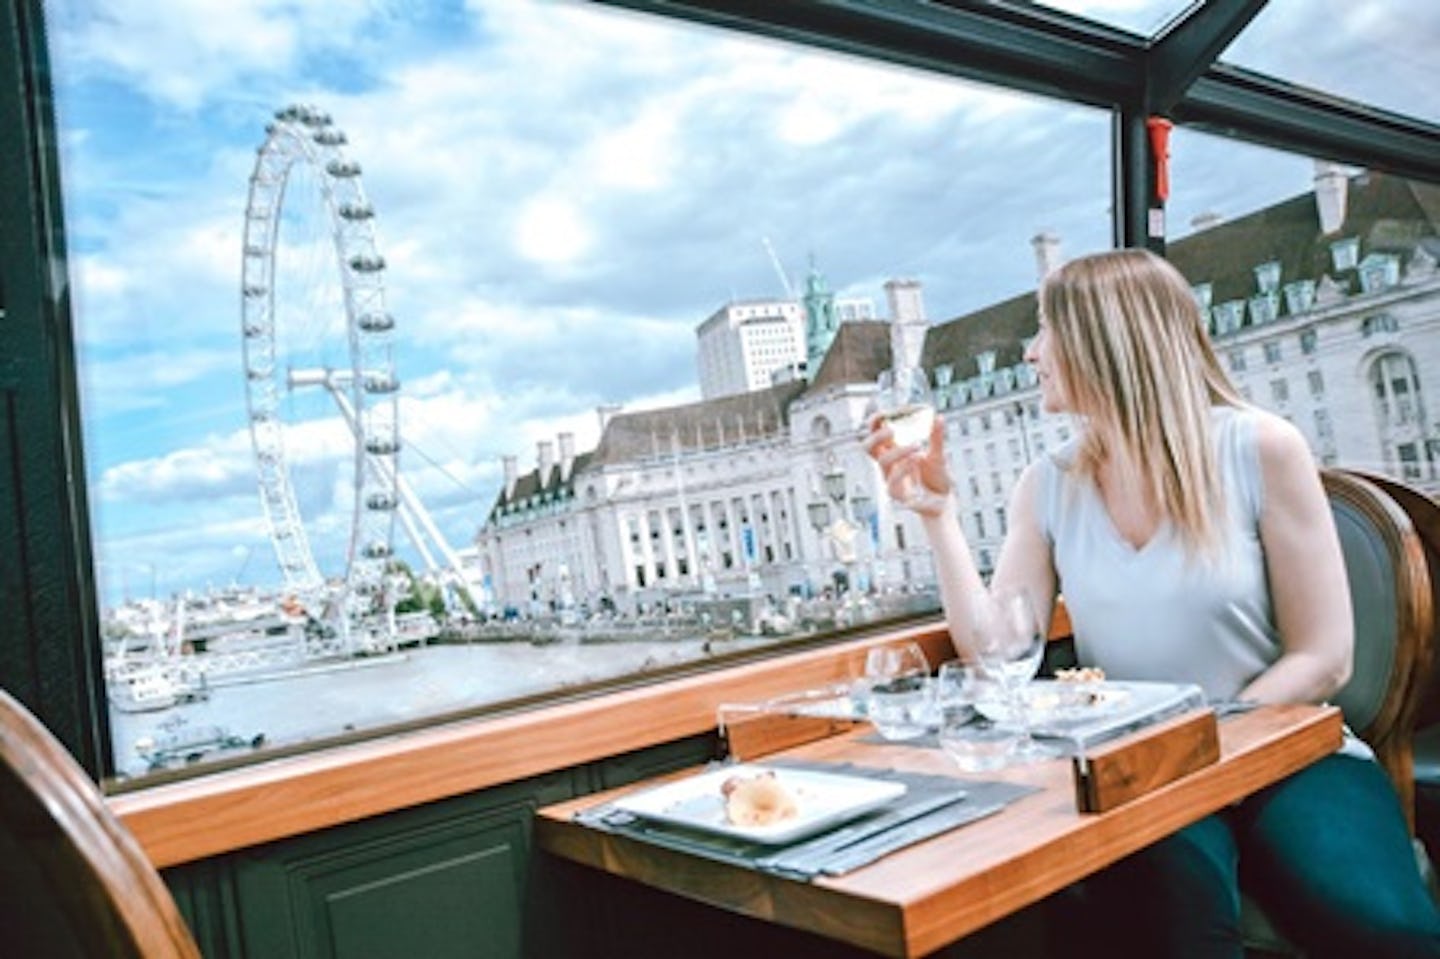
pixel 1280 391
pixel 1299 296
pixel 1267 277
pixel 1308 341
pixel 1228 317
pixel 1379 323
pixel 1345 253
pixel 1396 387
pixel 1316 379
pixel 1379 271
pixel 1237 361
pixel 1264 307
pixel 1272 352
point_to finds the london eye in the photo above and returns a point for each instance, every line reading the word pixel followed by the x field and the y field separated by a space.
pixel 314 322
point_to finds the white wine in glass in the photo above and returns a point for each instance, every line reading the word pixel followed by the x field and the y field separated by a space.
pixel 906 405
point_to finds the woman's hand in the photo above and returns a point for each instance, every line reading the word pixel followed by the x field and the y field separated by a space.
pixel 917 476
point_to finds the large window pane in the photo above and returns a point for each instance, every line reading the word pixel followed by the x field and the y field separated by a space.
pixel 1323 296
pixel 1381 53
pixel 597 242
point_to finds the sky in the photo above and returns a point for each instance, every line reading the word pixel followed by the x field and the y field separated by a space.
pixel 563 193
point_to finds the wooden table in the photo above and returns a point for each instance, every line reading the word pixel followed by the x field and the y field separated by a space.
pixel 929 895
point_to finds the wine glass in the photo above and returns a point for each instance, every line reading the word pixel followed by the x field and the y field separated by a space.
pixel 905 404
pixel 967 735
pixel 1010 647
pixel 898 690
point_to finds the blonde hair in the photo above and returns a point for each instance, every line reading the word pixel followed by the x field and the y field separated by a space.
pixel 1134 357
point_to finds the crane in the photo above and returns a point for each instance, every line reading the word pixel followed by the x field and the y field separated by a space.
pixel 779 270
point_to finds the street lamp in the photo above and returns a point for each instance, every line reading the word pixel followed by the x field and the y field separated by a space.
pixel 837 526
pixel 819 511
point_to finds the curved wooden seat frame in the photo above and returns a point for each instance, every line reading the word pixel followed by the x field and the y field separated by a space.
pixel 73 880
pixel 1394 611
pixel 1384 695
pixel 1424 513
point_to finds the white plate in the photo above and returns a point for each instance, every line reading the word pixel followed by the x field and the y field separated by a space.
pixel 1056 704
pixel 1089 712
pixel 823 799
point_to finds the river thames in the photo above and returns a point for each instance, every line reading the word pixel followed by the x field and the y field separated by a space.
pixel 338 698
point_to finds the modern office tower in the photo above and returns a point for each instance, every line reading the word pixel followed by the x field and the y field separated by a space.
pixel 743 344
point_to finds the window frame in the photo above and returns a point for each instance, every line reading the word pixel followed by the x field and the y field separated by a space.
pixel 50 654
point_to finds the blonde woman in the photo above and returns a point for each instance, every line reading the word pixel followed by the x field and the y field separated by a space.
pixel 1194 543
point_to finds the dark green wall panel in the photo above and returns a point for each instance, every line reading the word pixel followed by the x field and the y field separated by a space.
pixel 457 878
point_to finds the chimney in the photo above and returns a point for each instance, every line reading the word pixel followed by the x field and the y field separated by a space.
pixel 606 412
pixel 908 325
pixel 512 473
pixel 907 301
pixel 1330 186
pixel 544 460
pixel 567 455
pixel 1047 254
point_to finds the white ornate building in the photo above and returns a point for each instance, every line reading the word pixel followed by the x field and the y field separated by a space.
pixel 1325 308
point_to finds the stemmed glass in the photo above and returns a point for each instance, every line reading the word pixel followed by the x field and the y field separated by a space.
pixel 906 405
pixel 897 690
pixel 1010 646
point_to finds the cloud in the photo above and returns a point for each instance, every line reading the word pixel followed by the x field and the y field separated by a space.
pixel 563 193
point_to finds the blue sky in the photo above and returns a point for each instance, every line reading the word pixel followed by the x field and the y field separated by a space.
pixel 563 193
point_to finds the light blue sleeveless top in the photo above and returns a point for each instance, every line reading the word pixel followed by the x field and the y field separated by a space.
pixel 1155 613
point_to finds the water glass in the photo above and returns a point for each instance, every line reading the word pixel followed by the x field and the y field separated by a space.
pixel 974 742
pixel 902 707
pixel 897 690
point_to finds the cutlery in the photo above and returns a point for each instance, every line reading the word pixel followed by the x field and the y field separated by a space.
pixel 867 851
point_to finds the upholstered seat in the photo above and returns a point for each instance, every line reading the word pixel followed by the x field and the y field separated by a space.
pixel 73 881
pixel 1393 598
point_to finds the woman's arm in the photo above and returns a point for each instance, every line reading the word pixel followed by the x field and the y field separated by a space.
pixel 920 478
pixel 1306 570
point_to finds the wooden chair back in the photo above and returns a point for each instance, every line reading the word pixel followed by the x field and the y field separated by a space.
pixel 73 881
pixel 1424 513
pixel 1394 612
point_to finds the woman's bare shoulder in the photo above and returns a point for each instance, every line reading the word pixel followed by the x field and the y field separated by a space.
pixel 1286 462
pixel 1278 440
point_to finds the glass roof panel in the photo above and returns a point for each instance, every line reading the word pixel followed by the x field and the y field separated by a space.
pixel 1142 17
pixel 1381 52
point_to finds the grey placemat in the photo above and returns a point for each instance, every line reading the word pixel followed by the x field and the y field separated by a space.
pixel 931 805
